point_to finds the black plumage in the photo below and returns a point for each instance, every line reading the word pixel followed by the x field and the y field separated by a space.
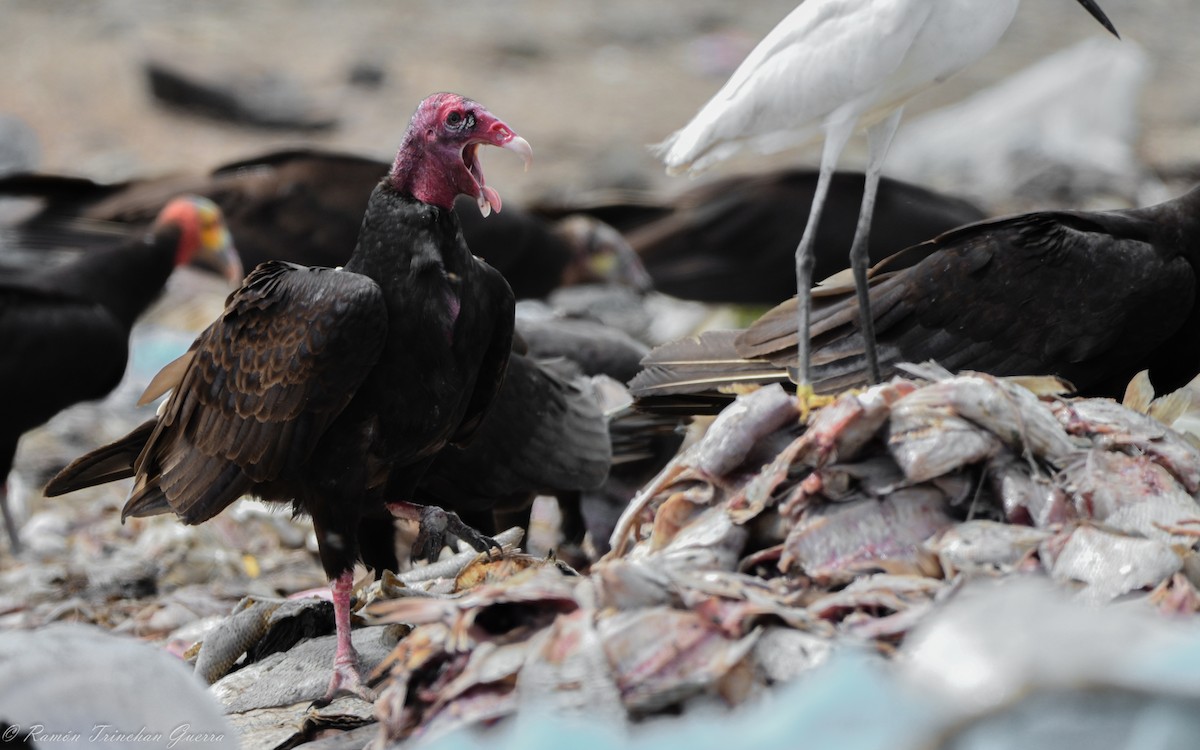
pixel 64 329
pixel 546 435
pixel 333 389
pixel 640 443
pixel 305 206
pixel 1093 297
pixel 592 347
pixel 733 240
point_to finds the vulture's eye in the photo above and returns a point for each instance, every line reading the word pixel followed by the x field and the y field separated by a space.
pixel 454 119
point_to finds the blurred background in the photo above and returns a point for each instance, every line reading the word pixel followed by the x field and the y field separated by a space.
pixel 590 83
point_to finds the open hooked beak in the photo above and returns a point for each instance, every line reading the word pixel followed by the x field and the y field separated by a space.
pixel 1091 7
pixel 502 136
pixel 520 147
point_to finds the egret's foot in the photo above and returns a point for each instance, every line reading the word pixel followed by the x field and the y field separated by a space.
pixel 808 398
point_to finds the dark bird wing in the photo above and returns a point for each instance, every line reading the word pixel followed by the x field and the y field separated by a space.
pixel 699 374
pixel 517 244
pixel 623 209
pixel 1090 297
pixel 544 433
pixel 301 205
pixel 264 382
pixel 734 240
pixel 492 293
pixel 1082 296
pixel 596 348
pixel 64 196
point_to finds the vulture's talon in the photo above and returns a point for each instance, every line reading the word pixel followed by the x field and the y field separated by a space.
pixel 436 523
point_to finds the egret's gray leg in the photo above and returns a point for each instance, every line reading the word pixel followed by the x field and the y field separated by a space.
pixel 879 138
pixel 10 521
pixel 836 135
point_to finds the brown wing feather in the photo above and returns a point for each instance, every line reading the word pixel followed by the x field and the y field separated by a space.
pixel 105 464
pixel 1049 292
pixel 264 382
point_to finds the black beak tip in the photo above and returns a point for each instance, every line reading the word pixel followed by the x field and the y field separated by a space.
pixel 1092 8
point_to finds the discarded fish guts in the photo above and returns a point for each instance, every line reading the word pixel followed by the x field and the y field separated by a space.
pixel 763 543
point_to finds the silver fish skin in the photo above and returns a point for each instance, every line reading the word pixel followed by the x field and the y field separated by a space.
pixel 1105 422
pixel 839 431
pixel 836 542
pixel 662 656
pixel 836 433
pixel 489 662
pixel 928 440
pixel 723 447
pixel 1008 411
pixel 623 584
pixel 985 546
pixel 878 591
pixel 1027 495
pixel 568 673
pixel 740 426
pixel 1132 493
pixel 737 601
pixel 244 627
pixel 783 654
pixel 1111 564
pixel 880 606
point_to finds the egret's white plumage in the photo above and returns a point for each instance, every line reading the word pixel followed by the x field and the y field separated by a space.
pixel 837 59
pixel 829 67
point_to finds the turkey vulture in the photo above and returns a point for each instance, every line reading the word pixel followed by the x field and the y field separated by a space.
pixel 64 329
pixel 1093 297
pixel 545 435
pixel 334 389
pixel 734 240
pixel 548 433
pixel 592 347
pixel 305 206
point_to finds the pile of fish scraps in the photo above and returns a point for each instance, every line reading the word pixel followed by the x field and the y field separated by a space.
pixel 764 545
pixel 762 551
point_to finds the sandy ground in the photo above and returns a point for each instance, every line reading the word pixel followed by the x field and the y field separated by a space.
pixel 588 82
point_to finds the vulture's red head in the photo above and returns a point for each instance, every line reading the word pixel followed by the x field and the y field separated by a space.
pixel 439 158
pixel 204 239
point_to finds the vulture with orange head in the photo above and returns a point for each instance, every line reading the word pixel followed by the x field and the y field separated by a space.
pixel 64 329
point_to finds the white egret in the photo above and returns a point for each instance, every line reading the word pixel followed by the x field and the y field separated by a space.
pixel 830 67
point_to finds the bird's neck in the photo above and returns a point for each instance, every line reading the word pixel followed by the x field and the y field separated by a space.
pixel 124 280
pixel 400 236
pixel 431 172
